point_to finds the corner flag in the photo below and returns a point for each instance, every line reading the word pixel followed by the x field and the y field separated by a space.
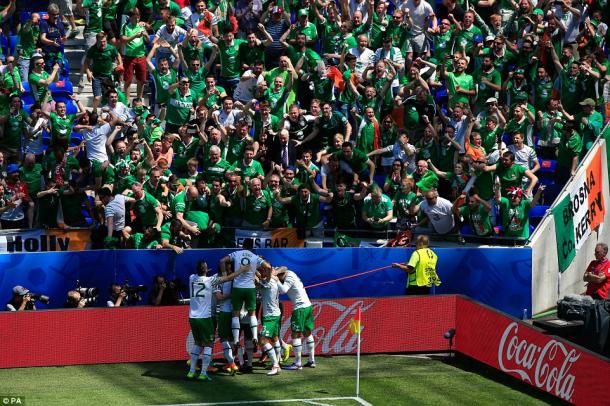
pixel 354 324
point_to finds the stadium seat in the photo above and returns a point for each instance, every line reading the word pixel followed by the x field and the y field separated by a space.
pixel 547 166
pixel 62 88
pixel 536 214
pixel 27 98
pixel 551 193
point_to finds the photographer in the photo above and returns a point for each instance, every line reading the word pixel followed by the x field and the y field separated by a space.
pixel 164 293
pixel 21 300
pixel 118 297
pixel 597 274
pixel 74 300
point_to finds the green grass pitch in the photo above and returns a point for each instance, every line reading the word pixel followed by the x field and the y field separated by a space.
pixel 385 380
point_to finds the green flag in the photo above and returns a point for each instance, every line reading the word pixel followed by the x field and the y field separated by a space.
pixel 564 233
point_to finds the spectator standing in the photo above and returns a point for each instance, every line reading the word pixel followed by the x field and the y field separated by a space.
pixel 597 274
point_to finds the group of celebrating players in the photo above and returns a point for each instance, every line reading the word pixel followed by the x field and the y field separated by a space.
pixel 233 292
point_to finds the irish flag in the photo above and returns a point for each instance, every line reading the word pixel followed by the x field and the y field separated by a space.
pixel 581 211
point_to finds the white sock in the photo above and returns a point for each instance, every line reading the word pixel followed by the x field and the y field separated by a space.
pixel 296 346
pixel 283 343
pixel 278 350
pixel 254 327
pixel 207 358
pixel 240 355
pixel 195 351
pixel 271 353
pixel 235 329
pixel 250 351
pixel 311 348
pixel 226 349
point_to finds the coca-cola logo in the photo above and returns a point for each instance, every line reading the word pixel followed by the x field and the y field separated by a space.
pixel 547 368
pixel 332 334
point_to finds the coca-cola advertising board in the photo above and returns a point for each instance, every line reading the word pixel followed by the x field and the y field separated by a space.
pixel 388 325
pixel 524 352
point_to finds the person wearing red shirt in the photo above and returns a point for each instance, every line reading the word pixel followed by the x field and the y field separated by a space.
pixel 598 274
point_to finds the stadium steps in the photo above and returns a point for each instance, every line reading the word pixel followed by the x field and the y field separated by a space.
pixel 74 51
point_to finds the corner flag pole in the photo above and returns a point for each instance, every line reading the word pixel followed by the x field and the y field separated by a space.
pixel 355 327
pixel 358 368
pixel 359 333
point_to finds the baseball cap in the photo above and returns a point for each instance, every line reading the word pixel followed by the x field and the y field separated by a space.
pixel 538 12
pixel 491 100
pixel 587 102
pixel 20 290
pixel 303 12
pixel 489 38
pixel 156 121
pixel 12 168
pixel 277 9
pixel 519 71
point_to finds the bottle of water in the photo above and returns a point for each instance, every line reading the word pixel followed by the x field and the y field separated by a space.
pixel 524 317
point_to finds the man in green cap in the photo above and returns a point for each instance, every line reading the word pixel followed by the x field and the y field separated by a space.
pixel 303 26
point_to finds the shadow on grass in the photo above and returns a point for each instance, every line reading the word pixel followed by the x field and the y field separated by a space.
pixel 470 365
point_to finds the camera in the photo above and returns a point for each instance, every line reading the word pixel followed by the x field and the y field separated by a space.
pixel 39 297
pixel 88 295
pixel 132 293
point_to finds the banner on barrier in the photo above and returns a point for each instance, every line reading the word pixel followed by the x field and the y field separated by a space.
pixel 545 362
pixel 40 240
pixel 277 238
pixel 580 212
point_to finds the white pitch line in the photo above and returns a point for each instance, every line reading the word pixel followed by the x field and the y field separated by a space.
pixel 311 402
pixel 362 401
pixel 254 402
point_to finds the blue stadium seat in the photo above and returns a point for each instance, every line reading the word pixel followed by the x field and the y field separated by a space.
pixel 536 214
pixel 26 97
pixel 62 88
pixel 547 166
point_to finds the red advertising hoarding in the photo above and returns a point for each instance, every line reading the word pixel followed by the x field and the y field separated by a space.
pixel 550 364
pixel 397 324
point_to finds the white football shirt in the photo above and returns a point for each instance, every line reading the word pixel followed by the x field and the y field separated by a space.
pixel 202 293
pixel 253 261
pixel 270 298
pixel 293 287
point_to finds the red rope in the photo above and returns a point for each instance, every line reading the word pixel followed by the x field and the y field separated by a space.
pixel 347 277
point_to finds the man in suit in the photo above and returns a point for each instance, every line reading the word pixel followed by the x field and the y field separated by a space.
pixel 284 150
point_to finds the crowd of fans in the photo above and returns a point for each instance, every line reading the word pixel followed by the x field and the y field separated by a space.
pixel 313 114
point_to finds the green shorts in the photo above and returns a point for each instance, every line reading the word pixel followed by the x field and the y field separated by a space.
pixel 301 320
pixel 224 326
pixel 243 295
pixel 203 330
pixel 96 168
pixel 271 326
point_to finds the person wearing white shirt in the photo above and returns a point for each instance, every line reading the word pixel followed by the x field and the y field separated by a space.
pixel 420 13
pixel 168 36
pixel 246 88
pixel 364 56
pixel 244 290
pixel 301 320
pixel 438 213
pixel 201 289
